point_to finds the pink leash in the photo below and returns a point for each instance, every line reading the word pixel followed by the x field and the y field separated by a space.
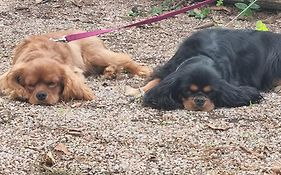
pixel 82 35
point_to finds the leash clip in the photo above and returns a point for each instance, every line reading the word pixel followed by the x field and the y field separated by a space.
pixel 61 40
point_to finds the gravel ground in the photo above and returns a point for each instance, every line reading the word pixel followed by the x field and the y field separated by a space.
pixel 115 134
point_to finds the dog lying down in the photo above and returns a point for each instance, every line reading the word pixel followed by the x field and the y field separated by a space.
pixel 216 68
pixel 44 71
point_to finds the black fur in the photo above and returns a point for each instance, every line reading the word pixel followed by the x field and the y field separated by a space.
pixel 238 64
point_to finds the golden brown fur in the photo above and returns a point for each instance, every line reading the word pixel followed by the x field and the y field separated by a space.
pixel 44 71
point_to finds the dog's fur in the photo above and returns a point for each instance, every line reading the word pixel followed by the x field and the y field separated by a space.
pixel 217 68
pixel 44 71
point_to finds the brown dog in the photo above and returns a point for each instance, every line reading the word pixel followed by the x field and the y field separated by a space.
pixel 45 71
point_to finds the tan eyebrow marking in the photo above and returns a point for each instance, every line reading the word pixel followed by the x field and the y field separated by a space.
pixel 207 89
pixel 193 88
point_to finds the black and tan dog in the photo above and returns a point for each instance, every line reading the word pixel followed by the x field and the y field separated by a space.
pixel 217 68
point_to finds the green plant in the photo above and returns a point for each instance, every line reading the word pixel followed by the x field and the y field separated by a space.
pixel 164 6
pixel 247 7
pixel 250 103
pixel 200 14
pixel 136 11
pixel 156 10
pixel 260 26
pixel 219 3
pixel 168 5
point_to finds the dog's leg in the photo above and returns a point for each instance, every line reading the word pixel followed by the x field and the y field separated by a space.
pixel 136 69
pixel 95 53
pixel 110 59
pixel 123 60
pixel 136 92
pixel 110 72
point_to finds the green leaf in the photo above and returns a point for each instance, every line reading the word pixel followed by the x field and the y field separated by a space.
pixel 200 14
pixel 241 6
pixel 247 13
pixel 205 12
pixel 156 10
pixel 219 3
pixel 134 14
pixel 166 4
pixel 255 7
pixel 260 26
pixel 192 13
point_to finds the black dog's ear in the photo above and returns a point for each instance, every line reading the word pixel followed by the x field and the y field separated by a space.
pixel 235 96
pixel 165 94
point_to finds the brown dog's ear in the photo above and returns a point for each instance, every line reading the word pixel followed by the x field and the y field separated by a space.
pixel 11 83
pixel 74 86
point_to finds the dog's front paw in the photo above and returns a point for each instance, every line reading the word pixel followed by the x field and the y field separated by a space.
pixel 88 94
pixel 144 71
pixel 110 72
pixel 135 92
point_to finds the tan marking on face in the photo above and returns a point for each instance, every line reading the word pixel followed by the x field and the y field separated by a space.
pixel 207 89
pixel 193 88
pixel 190 104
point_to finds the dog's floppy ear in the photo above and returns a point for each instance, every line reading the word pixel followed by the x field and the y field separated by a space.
pixel 11 83
pixel 164 95
pixel 235 96
pixel 74 86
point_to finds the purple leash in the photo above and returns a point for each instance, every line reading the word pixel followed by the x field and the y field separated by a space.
pixel 77 36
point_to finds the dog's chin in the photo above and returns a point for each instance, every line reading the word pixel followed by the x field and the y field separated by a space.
pixel 195 108
pixel 189 104
pixel 47 102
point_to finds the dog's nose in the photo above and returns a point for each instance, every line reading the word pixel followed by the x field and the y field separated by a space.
pixel 41 96
pixel 200 101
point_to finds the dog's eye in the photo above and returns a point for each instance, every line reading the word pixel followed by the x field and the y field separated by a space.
pixel 18 79
pixel 51 84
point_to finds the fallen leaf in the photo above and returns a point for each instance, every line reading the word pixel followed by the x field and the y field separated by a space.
pixel 152 158
pixel 48 159
pixel 251 152
pixel 205 25
pixel 76 3
pixel 75 131
pixel 75 105
pixel 276 169
pixel 41 1
pixel 61 147
pixel 220 128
